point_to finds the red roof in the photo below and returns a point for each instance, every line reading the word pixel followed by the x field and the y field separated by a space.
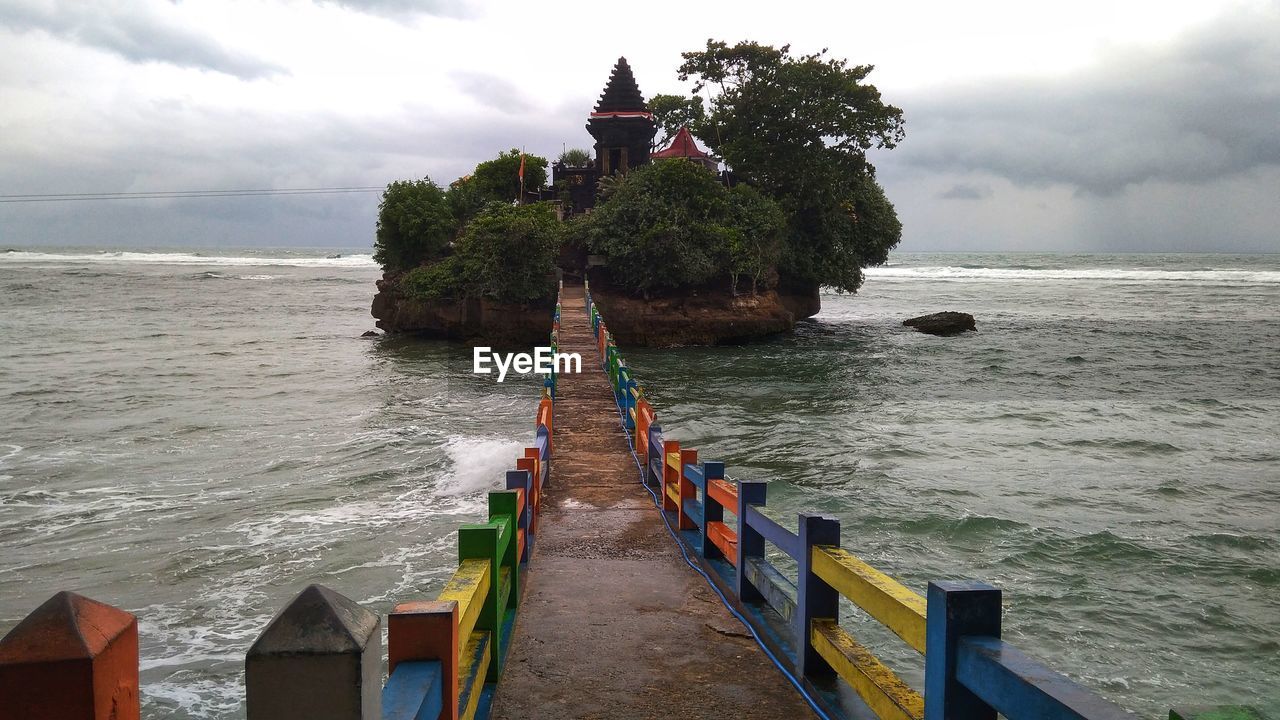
pixel 682 146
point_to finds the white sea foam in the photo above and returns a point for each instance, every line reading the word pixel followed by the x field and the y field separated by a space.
pixel 478 464
pixel 10 451
pixel 178 258
pixel 950 272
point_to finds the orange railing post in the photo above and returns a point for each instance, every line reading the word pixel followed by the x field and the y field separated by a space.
pixel 71 658
pixel 688 491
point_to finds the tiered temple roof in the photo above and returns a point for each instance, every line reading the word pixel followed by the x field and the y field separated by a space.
pixel 621 94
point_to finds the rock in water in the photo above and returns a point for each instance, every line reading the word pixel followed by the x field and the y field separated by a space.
pixel 369 333
pixel 943 323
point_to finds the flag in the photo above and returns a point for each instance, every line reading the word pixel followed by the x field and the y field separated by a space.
pixel 522 167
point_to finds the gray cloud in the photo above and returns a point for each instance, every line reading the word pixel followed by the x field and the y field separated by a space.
pixel 1202 108
pixel 180 146
pixel 965 191
pixel 491 91
pixel 137 33
pixel 403 9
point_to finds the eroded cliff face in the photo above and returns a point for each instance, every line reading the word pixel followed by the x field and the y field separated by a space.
pixel 707 318
pixel 478 320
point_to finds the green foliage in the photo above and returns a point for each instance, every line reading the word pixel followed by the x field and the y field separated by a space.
pixel 465 201
pixel 498 180
pixel 507 253
pixel 607 186
pixel 441 280
pixel 575 157
pixel 672 112
pixel 671 224
pixel 755 237
pixel 798 128
pixel 414 225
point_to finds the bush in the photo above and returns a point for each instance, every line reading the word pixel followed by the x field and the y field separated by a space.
pixel 507 253
pixel 755 237
pixel 498 180
pixel 671 225
pixel 575 158
pixel 441 280
pixel 414 225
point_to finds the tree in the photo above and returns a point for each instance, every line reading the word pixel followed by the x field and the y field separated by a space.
pixel 575 157
pixel 607 186
pixel 755 237
pixel 466 200
pixel 672 225
pixel 414 225
pixel 508 252
pixel 798 128
pixel 498 180
pixel 672 112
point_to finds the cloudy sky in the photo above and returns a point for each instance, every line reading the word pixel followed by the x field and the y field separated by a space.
pixel 1128 125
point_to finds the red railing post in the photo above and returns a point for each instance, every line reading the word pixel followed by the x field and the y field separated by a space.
pixel 72 658
pixel 427 630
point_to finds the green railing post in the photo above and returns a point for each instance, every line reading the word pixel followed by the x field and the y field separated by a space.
pixel 503 505
pixel 487 542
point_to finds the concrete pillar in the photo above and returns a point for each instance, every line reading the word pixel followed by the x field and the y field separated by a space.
pixel 71 659
pixel 319 659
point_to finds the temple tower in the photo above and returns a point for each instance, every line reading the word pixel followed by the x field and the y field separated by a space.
pixel 621 124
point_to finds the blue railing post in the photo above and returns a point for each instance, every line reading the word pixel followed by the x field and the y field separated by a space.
pixel 627 391
pixel 815 598
pixel 954 610
pixel 712 511
pixel 653 449
pixel 523 479
pixel 750 542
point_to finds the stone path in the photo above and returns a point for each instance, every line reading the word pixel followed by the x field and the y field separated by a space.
pixel 614 624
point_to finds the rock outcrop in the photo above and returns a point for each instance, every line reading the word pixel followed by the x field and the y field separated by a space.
pixel 480 320
pixel 942 323
pixel 703 318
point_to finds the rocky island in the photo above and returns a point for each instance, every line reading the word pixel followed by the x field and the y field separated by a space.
pixel 682 245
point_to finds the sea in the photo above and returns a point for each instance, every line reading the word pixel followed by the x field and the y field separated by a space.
pixel 196 435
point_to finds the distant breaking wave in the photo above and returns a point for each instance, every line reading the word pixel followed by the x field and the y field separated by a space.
pixel 1266 277
pixel 166 258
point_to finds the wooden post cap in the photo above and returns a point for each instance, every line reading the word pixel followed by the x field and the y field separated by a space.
pixel 72 658
pixel 320 658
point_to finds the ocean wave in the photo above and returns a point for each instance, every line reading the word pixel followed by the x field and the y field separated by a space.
pixel 172 258
pixel 962 272
pixel 478 464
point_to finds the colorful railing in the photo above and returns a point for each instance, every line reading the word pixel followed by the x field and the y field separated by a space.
pixel 321 656
pixel 969 672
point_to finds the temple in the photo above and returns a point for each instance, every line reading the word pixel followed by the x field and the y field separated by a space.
pixel 684 146
pixel 623 129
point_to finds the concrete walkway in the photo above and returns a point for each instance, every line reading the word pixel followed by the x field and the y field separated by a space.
pixel 614 624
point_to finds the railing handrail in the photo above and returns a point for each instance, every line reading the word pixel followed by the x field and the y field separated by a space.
pixel 969 672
